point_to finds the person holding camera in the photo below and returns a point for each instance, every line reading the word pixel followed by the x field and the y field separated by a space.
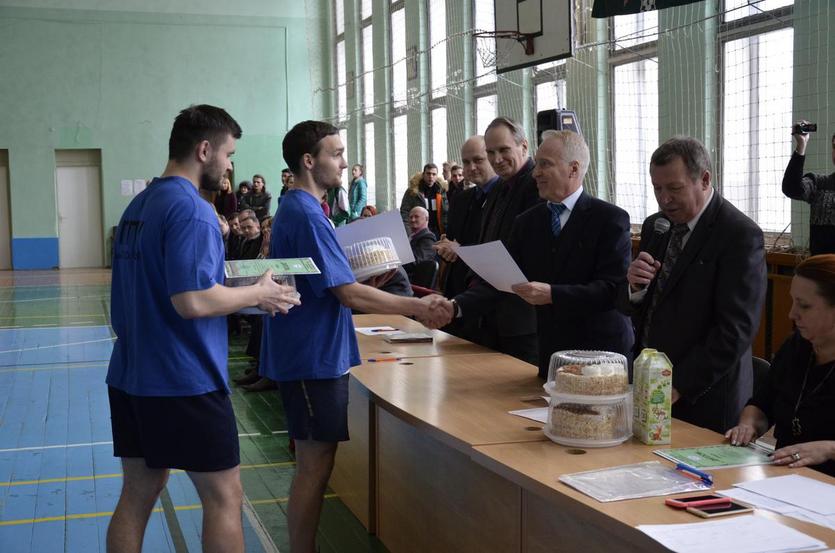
pixel 816 190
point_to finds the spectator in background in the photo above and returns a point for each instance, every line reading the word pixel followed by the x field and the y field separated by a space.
pixel 457 183
pixel 339 206
pixel 421 238
pixel 244 187
pixel 286 182
pixel 259 200
pixel 816 190
pixel 266 232
pixel 224 228
pixel 357 192
pixel 235 236
pixel 428 191
pixel 446 170
pixel 250 247
pixel 225 201
pixel 368 211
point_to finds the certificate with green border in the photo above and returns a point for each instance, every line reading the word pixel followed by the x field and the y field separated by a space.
pixel 248 268
pixel 717 456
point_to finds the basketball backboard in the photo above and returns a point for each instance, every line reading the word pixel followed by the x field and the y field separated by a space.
pixel 550 21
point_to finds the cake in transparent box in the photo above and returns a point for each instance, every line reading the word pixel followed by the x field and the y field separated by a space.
pixel 372 257
pixel 590 400
pixel 588 373
pixel 591 423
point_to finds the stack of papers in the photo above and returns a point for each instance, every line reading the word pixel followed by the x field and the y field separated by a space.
pixel 792 495
pixel 740 534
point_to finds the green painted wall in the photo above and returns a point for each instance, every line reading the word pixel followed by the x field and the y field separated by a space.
pixel 114 78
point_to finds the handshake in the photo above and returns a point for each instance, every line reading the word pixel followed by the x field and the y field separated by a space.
pixel 434 311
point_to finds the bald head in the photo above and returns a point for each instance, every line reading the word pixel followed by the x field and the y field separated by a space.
pixel 418 219
pixel 477 168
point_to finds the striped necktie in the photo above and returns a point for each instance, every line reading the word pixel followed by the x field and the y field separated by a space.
pixel 556 211
pixel 674 249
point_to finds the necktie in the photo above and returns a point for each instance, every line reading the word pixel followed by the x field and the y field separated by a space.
pixel 674 249
pixel 556 211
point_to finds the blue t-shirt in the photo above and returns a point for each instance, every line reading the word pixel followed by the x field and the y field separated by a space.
pixel 316 339
pixel 167 242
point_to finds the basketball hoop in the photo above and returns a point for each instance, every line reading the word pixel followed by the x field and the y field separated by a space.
pixel 487 44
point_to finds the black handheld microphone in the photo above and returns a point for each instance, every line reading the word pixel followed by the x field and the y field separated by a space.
pixel 656 241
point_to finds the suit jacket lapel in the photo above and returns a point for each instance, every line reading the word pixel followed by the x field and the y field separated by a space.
pixel 694 245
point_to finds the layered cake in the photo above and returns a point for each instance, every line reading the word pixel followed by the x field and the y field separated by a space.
pixel 605 379
pixel 372 257
pixel 588 422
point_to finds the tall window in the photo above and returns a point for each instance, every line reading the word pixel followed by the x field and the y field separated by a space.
pixel 398 57
pixel 439 146
pixel 485 112
pixel 738 9
pixel 401 159
pixel 631 30
pixel 636 136
pixel 550 95
pixel 369 163
pixel 365 9
pixel 342 89
pixel 757 97
pixel 484 21
pixel 368 68
pixel 437 56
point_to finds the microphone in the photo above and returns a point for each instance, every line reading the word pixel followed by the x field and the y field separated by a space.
pixel 656 241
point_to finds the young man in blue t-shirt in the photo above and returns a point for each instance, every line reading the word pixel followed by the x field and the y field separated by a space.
pixel 310 351
pixel 167 380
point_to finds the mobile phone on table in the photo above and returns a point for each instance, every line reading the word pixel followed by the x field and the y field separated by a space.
pixel 704 500
pixel 711 511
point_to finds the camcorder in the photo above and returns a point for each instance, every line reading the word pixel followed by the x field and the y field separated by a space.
pixel 804 128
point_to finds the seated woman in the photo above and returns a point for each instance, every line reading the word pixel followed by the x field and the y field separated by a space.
pixel 800 392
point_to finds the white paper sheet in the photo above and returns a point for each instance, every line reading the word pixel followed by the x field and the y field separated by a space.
pixel 378 330
pixel 538 414
pixel 138 185
pixel 740 534
pixel 758 500
pixel 126 187
pixel 493 263
pixel 385 224
pixel 801 491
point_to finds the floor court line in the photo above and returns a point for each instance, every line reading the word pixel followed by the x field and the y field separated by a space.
pixel 56 367
pixel 282 464
pixel 92 444
pixel 193 507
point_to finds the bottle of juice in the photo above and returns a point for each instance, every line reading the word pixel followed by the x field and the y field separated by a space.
pixel 652 400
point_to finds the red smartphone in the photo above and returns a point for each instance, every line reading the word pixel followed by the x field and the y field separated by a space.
pixel 698 501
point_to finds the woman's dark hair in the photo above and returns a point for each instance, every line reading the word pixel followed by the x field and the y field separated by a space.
pixel 820 269
pixel 196 124
pixel 305 138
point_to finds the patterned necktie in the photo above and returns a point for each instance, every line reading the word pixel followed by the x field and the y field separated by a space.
pixel 556 211
pixel 674 249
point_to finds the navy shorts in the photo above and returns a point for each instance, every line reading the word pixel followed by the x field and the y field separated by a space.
pixel 316 409
pixel 193 433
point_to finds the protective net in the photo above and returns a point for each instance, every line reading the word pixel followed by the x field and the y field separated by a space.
pixel 734 74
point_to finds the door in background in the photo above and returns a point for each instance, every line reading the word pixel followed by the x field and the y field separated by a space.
pixel 79 205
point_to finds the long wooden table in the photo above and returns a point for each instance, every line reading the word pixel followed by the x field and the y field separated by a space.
pixel 435 463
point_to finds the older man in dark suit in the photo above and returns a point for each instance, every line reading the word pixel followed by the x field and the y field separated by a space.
pixel 700 300
pixel 508 325
pixel 575 250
